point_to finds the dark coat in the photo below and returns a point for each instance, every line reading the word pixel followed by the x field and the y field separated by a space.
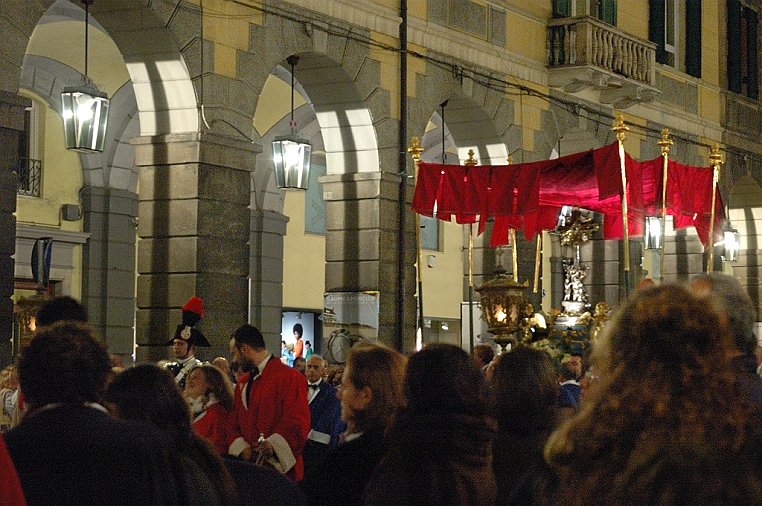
pixel 438 459
pixel 325 419
pixel 340 478
pixel 79 455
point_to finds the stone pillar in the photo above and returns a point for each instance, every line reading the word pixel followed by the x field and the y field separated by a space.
pixel 266 273
pixel 748 270
pixel 363 248
pixel 12 109
pixel 194 230
pixel 108 265
pixel 683 257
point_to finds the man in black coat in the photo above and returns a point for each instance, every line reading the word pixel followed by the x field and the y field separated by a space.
pixel 325 415
pixel 68 449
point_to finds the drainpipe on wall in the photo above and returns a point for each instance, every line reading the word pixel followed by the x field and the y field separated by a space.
pixel 402 159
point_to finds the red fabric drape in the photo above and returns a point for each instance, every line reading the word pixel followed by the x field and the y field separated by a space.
pixel 530 195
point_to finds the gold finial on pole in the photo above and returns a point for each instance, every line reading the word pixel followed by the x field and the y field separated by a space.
pixel 510 159
pixel 416 149
pixel 620 128
pixel 715 160
pixel 664 143
pixel 471 161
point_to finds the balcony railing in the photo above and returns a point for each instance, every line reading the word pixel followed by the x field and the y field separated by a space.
pixel 586 41
pixel 29 177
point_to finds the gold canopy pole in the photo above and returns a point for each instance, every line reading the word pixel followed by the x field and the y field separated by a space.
pixel 664 143
pixel 620 128
pixel 470 163
pixel 514 246
pixel 415 150
pixel 715 160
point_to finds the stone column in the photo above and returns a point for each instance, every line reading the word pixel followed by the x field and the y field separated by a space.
pixel 683 257
pixel 194 230
pixel 266 273
pixel 108 265
pixel 12 109
pixel 363 248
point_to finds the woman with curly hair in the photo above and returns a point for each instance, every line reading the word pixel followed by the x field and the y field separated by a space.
pixel 210 395
pixel 665 390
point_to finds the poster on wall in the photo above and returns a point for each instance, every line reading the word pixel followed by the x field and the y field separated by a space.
pixel 348 317
pixel 352 310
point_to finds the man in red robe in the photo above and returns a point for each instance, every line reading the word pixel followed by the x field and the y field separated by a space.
pixel 271 417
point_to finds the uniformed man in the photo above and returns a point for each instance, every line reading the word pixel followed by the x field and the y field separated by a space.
pixel 185 341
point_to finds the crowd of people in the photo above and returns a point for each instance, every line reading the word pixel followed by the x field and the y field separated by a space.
pixel 666 409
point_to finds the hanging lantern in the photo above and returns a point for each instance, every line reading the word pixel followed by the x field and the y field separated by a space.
pixel 652 235
pixel 732 245
pixel 291 155
pixel 84 108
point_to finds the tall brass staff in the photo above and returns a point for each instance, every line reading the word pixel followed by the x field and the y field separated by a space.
pixel 715 160
pixel 664 143
pixel 470 163
pixel 620 128
pixel 514 246
pixel 415 150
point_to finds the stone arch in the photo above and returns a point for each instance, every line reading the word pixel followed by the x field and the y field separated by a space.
pixel 348 113
pixel 477 117
pixel 114 168
pixel 158 71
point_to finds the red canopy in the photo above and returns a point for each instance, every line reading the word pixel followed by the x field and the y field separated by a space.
pixel 530 195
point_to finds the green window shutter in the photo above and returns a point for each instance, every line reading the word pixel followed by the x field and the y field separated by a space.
pixel 561 8
pixel 752 84
pixel 608 12
pixel 693 38
pixel 734 46
pixel 656 28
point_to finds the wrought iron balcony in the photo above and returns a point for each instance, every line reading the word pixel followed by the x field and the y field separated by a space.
pixel 584 52
pixel 29 177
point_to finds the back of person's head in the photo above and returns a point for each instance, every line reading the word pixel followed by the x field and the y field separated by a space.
pixel 60 309
pixel 442 378
pixel 733 302
pixel 382 370
pixel 219 384
pixel 149 393
pixel 525 390
pixel 665 333
pixel 249 334
pixel 63 364
pixel 484 353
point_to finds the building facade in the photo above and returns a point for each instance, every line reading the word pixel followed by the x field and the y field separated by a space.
pixel 183 199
